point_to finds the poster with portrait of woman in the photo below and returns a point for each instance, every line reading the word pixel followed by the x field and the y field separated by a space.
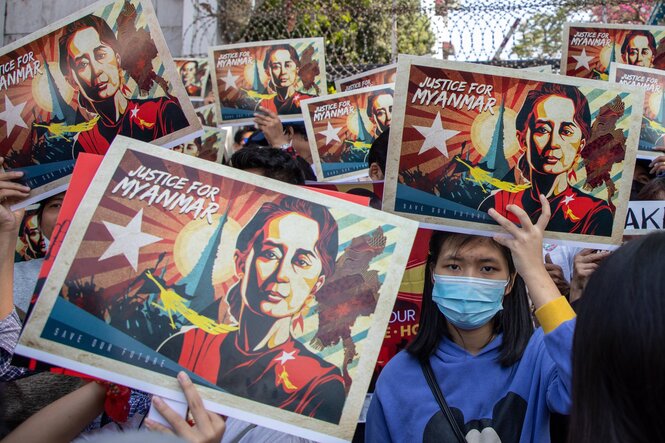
pixel 276 75
pixel 342 127
pixel 589 49
pixel 652 81
pixel 274 298
pixel 375 77
pixel 75 85
pixel 467 138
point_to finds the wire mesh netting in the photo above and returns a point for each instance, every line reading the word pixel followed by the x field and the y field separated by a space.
pixel 362 34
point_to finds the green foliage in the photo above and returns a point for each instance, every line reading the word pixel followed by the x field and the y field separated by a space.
pixel 355 31
pixel 540 35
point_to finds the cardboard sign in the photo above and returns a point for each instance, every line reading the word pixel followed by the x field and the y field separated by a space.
pixel 194 74
pixel 466 138
pixel 589 49
pixel 652 81
pixel 76 84
pixel 645 217
pixel 341 129
pixel 276 75
pixel 375 77
pixel 274 298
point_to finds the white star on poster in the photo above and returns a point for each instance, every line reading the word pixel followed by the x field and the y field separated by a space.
pixel 230 80
pixel 331 133
pixel 135 112
pixel 127 240
pixel 435 136
pixel 12 115
pixel 583 59
pixel 286 356
pixel 567 199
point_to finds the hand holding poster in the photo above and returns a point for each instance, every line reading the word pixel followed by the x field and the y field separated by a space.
pixel 475 137
pixel 590 49
pixel 379 76
pixel 652 81
pixel 75 85
pixel 341 129
pixel 273 297
pixel 276 75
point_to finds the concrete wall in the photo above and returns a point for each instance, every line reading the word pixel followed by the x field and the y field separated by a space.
pixel 24 17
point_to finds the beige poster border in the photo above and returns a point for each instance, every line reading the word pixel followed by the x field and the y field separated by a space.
pixel 339 83
pixel 399 107
pixel 225 403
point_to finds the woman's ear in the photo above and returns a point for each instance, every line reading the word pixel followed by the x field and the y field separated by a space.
pixel 511 283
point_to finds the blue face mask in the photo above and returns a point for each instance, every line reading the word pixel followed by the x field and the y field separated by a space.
pixel 468 302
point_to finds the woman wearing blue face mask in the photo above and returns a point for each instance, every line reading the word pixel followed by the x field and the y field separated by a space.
pixel 477 371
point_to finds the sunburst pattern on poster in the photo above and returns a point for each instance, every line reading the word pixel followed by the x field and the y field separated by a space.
pixel 472 138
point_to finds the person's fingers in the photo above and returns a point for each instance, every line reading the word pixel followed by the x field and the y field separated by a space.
pixel 504 240
pixel 13 185
pixel 659 148
pixel 269 112
pixel 217 422
pixel 506 224
pixel 194 401
pixel 521 215
pixel 157 427
pixel 546 213
pixel 10 194
pixel 548 259
pixel 179 424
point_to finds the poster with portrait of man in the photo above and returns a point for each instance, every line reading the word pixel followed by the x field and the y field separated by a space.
pixel 194 74
pixel 273 297
pixel 589 49
pixel 276 75
pixel 341 128
pixel 466 138
pixel 76 84
pixel 375 77
pixel 652 82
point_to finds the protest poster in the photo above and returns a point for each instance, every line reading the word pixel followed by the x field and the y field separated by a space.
pixel 31 243
pixel 276 75
pixel 76 84
pixel 477 137
pixel 206 115
pixel 589 49
pixel 194 74
pixel 645 217
pixel 375 77
pixel 543 68
pixel 166 249
pixel 341 128
pixel 652 82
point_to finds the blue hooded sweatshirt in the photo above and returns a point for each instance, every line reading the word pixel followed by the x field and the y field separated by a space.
pixel 490 403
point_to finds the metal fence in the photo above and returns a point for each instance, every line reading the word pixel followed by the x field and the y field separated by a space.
pixel 361 34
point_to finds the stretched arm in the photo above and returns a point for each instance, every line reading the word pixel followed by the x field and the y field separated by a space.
pixel 10 192
pixel 63 419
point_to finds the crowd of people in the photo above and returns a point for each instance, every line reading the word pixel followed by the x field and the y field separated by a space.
pixel 517 341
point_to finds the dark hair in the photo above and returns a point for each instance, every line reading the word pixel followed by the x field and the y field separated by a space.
pixel 525 117
pixel 372 98
pixel 252 234
pixel 196 63
pixel 237 138
pixel 618 364
pixel 651 190
pixel 292 52
pixel 514 321
pixel 106 35
pixel 582 113
pixel 276 163
pixel 639 33
pixel 379 150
